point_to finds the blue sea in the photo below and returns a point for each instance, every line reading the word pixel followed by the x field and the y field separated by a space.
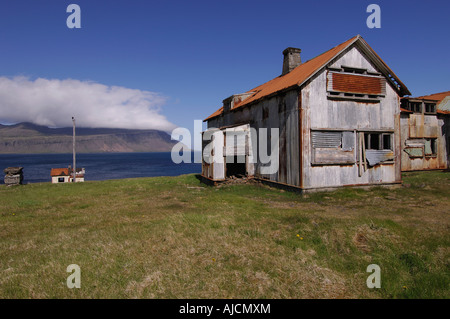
pixel 99 166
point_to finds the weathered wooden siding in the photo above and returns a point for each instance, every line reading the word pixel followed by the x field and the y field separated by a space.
pixel 281 112
pixel 309 110
pixel 321 113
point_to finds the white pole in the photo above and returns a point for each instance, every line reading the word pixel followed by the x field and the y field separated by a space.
pixel 74 157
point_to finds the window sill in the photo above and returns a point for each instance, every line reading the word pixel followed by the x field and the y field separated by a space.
pixel 353 98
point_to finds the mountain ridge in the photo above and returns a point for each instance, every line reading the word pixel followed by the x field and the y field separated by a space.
pixel 27 137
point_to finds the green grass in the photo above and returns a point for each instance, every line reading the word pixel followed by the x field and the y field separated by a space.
pixel 173 237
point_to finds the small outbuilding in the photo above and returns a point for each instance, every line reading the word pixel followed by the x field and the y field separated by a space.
pixel 13 175
pixel 65 175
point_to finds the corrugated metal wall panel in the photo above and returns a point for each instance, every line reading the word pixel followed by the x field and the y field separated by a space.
pixel 325 139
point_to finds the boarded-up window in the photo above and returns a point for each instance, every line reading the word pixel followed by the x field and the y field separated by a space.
pixel 352 83
pixel 326 139
pixel 377 148
pixel 347 85
pixel 332 147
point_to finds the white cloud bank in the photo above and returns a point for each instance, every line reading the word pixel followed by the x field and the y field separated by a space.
pixel 53 103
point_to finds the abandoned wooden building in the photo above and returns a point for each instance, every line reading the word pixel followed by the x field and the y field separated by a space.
pixel 425 132
pixel 65 175
pixel 336 116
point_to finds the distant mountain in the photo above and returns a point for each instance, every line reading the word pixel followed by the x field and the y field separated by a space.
pixel 30 138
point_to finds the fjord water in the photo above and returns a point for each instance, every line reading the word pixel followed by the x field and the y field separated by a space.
pixel 99 166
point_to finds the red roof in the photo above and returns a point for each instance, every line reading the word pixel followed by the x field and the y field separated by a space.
pixel 216 113
pixel 436 96
pixel 301 74
pixel 59 172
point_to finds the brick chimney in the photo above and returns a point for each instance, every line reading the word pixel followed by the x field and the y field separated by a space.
pixel 291 59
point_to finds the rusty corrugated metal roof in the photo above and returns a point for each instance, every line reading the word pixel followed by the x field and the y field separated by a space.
pixel 216 113
pixel 304 72
pixel 436 96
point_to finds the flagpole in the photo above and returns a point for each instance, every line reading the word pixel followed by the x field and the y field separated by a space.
pixel 74 156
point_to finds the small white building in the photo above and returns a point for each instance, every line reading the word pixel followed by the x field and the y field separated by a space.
pixel 65 175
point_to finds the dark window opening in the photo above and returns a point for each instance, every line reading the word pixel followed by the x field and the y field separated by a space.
pixel 265 113
pixel 374 141
pixel 404 104
pixel 60 179
pixel 387 142
pixel 430 108
pixel 415 107
pixel 354 70
pixel 378 141
pixel 431 147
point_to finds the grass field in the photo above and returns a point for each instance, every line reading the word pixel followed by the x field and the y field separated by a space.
pixel 173 237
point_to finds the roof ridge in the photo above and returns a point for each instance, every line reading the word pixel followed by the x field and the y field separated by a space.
pixel 301 74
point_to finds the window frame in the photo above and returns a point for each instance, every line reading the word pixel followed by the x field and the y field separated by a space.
pixel 433 146
pixel 381 141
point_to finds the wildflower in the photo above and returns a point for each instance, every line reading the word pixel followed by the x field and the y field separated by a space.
pixel 404 287
pixel 214 259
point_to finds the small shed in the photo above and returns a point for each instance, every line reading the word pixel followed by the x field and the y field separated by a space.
pixel 13 175
pixel 65 175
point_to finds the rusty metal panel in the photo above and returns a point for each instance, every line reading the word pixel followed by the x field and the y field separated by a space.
pixel 356 83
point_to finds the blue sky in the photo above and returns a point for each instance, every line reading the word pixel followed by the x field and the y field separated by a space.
pixel 193 54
